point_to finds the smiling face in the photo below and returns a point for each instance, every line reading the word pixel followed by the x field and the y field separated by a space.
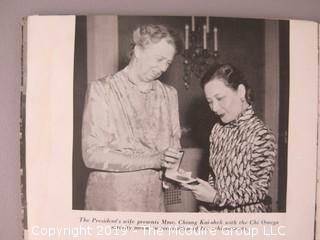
pixel 153 60
pixel 223 100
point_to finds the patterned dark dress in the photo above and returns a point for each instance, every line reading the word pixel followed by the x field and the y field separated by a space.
pixel 242 158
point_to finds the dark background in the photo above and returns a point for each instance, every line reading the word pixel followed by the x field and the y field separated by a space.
pixel 11 13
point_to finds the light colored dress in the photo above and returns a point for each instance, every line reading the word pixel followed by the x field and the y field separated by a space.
pixel 242 158
pixel 124 132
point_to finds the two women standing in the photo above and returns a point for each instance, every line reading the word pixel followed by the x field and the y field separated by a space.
pixel 131 132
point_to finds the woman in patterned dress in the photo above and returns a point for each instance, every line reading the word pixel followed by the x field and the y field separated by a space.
pixel 242 148
pixel 131 128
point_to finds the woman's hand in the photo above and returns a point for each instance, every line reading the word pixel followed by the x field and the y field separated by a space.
pixel 203 191
pixel 170 158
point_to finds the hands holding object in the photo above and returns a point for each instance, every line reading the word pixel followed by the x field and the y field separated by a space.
pixel 202 191
pixel 171 158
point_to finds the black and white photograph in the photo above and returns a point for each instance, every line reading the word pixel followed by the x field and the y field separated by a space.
pixel 152 126
pixel 180 114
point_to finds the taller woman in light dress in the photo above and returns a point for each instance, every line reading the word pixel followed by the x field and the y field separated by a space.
pixel 131 128
pixel 242 148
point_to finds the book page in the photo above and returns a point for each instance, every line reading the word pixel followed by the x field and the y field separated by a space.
pixel 318 192
pixel 58 73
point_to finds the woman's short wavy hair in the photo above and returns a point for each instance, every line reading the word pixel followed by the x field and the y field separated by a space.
pixel 150 34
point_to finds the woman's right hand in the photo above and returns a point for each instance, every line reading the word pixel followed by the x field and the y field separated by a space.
pixel 170 158
pixel 203 191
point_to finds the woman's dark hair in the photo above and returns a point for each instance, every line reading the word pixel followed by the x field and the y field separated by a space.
pixel 231 76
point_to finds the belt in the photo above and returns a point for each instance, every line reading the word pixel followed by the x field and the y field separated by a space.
pixel 266 201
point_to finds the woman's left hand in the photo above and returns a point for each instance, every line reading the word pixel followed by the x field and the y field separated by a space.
pixel 203 191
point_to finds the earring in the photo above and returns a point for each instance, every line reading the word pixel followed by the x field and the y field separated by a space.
pixel 243 105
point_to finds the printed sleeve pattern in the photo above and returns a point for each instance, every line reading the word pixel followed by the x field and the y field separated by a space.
pixel 242 157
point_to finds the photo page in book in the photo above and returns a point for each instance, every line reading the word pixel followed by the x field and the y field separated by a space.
pixel 169 126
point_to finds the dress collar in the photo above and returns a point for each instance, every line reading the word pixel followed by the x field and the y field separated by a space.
pixel 244 116
pixel 132 84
